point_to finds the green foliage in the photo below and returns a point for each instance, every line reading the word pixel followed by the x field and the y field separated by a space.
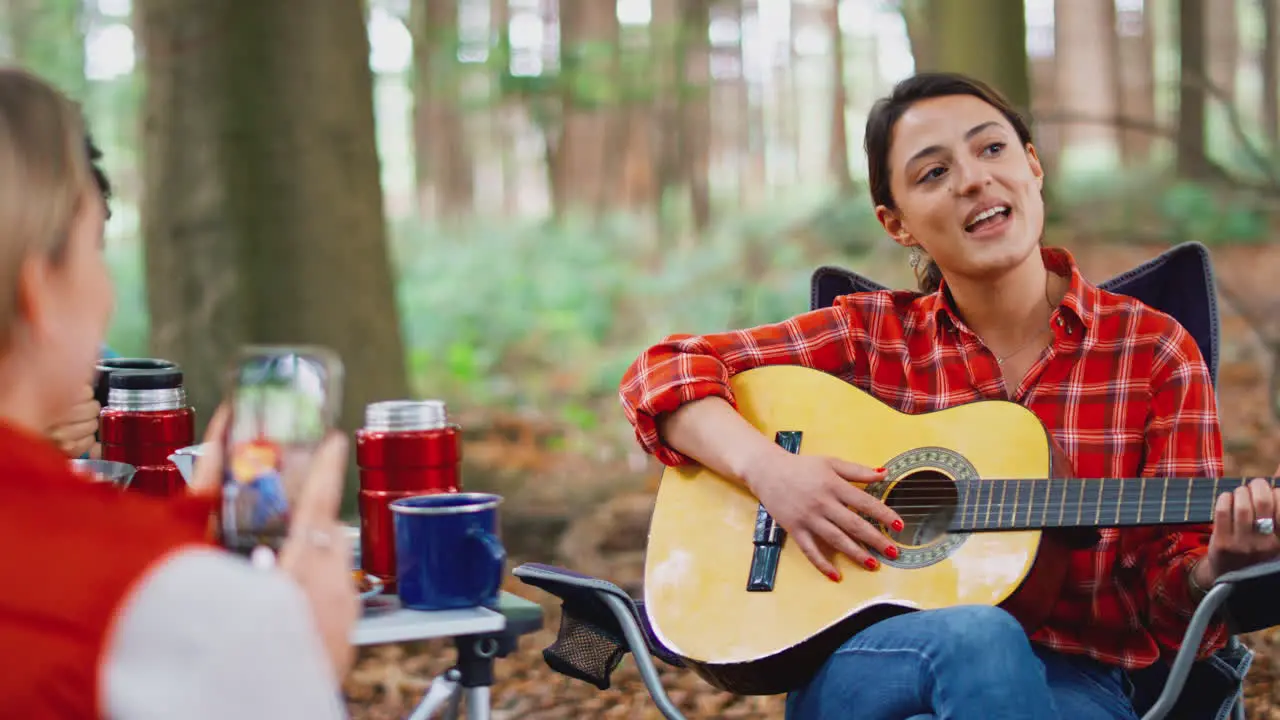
pixel 1193 211
pixel 1150 204
pixel 112 109
pixel 128 334
pixel 596 74
pixel 587 75
pixel 489 298
pixel 847 224
pixel 551 315
pixel 41 39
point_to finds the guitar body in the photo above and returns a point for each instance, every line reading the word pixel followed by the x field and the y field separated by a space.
pixel 700 545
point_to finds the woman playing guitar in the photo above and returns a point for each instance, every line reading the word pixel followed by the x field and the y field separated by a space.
pixel 1122 389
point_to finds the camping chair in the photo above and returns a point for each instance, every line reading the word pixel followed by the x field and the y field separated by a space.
pixel 600 623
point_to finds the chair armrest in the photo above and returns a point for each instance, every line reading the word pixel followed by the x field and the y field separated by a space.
pixel 1245 600
pixel 583 596
pixel 599 624
pixel 1252 605
pixel 1180 669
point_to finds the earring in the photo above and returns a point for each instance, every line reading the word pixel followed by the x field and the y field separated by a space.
pixel 915 258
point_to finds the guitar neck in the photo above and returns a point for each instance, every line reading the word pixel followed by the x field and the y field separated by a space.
pixel 1022 504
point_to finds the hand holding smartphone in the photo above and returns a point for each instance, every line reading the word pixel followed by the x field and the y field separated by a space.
pixel 283 400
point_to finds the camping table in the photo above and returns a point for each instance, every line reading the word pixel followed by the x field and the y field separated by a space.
pixel 479 634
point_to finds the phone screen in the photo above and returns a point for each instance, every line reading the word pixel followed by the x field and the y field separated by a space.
pixel 283 401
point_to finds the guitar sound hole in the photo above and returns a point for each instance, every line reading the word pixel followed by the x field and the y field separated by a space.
pixel 926 500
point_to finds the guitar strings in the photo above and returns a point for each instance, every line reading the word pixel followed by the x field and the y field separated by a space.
pixel 943 498
pixel 1198 496
pixel 1154 504
pixel 1071 513
pixel 925 503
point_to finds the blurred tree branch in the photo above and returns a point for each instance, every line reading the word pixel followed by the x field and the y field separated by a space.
pixel 1256 155
pixel 1268 185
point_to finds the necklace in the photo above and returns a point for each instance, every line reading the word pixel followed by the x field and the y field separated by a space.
pixel 1001 359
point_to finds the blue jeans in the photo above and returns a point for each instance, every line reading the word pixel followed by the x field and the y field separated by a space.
pixel 962 663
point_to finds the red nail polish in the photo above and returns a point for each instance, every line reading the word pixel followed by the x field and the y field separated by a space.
pixel 880 470
pixel 872 563
pixel 891 552
pixel 897 526
pixel 834 575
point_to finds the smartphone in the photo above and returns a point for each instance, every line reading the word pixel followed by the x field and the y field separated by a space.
pixel 283 400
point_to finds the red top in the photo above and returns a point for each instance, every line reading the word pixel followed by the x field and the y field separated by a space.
pixel 70 553
pixel 1123 390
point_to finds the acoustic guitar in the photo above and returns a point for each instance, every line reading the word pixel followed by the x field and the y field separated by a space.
pixel 989 505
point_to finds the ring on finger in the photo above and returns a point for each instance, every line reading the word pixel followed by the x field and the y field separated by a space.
pixel 1264 526
pixel 322 539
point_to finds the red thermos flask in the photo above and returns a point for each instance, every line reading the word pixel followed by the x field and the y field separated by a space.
pixel 146 419
pixel 406 447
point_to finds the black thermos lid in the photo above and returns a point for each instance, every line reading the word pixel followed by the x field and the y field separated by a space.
pixel 156 378
pixel 129 363
pixel 108 366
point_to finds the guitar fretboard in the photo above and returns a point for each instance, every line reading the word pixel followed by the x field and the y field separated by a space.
pixel 1024 504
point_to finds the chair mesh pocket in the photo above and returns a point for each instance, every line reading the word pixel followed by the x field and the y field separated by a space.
pixel 584 651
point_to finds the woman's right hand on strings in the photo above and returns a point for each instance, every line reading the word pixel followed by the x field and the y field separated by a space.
pixel 813 498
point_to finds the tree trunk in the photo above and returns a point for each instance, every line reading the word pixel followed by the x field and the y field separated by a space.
pixel 695 108
pixel 999 59
pixel 443 159
pixel 1136 80
pixel 1222 47
pixel 1192 96
pixel 588 41
pixel 754 180
pixel 635 183
pixel 197 298
pixel 839 148
pixel 742 119
pixel 787 105
pixel 664 34
pixel 916 16
pixel 508 115
pixel 1271 75
pixel 1084 47
pixel 262 207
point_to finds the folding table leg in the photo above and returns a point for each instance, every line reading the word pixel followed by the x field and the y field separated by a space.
pixel 476 654
pixel 473 675
pixel 444 689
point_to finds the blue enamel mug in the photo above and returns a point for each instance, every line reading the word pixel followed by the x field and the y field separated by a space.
pixel 448 555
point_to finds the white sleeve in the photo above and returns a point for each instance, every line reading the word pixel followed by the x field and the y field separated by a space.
pixel 205 636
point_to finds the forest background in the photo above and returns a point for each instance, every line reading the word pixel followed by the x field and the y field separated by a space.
pixel 500 202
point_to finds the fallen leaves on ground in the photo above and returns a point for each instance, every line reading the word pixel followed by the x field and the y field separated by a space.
pixel 389 680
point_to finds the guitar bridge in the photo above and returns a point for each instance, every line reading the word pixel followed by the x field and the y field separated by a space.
pixel 768 535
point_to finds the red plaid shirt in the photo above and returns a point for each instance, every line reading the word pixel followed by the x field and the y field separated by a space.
pixel 1123 389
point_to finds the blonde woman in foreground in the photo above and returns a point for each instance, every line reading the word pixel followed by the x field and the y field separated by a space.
pixel 116 604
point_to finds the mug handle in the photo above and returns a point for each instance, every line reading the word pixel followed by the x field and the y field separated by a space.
pixel 497 553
